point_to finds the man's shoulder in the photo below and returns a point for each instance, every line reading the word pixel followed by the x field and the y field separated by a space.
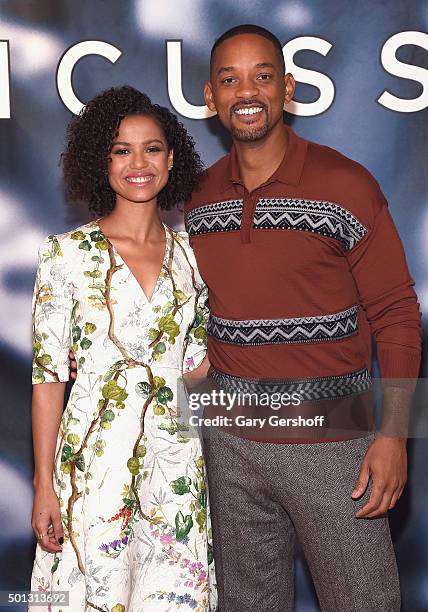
pixel 209 187
pixel 337 167
pixel 336 178
pixel 215 174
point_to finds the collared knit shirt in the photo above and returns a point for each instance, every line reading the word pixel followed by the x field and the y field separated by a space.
pixel 303 270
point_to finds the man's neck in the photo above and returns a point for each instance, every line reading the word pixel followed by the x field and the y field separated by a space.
pixel 258 160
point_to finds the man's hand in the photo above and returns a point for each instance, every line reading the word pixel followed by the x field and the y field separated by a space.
pixel 197 375
pixel 73 365
pixel 386 464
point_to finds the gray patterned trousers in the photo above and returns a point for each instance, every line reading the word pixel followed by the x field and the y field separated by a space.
pixel 262 494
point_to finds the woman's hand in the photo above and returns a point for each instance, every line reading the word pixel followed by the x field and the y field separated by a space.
pixel 46 519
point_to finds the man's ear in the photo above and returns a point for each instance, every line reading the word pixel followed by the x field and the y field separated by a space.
pixel 290 87
pixel 209 98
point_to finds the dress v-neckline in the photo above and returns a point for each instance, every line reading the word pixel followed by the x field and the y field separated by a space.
pixel 131 273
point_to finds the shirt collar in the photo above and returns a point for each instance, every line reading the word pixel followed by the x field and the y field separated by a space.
pixel 289 171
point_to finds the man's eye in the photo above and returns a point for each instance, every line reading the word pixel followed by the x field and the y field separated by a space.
pixel 229 80
pixel 264 77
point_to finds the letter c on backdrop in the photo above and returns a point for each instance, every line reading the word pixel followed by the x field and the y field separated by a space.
pixel 69 61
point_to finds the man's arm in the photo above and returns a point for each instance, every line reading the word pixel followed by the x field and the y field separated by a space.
pixel 386 459
pixel 386 292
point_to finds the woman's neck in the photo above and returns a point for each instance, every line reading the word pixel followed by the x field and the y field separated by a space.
pixel 138 221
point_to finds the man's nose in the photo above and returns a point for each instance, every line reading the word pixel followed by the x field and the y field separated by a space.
pixel 247 88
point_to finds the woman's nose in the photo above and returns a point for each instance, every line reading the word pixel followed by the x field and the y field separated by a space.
pixel 138 160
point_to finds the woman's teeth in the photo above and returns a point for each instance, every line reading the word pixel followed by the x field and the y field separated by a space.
pixel 139 179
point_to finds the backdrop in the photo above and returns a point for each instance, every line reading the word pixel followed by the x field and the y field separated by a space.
pixel 362 72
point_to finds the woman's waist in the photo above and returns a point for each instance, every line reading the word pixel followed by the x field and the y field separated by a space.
pixel 107 371
pixel 124 384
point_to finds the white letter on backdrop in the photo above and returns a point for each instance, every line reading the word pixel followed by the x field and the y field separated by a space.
pixel 68 62
pixel 175 87
pixel 311 77
pixel 405 71
pixel 4 80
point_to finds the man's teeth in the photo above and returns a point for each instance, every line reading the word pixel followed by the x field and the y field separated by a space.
pixel 139 179
pixel 249 111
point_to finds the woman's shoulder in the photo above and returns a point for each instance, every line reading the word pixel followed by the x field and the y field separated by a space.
pixel 182 238
pixel 89 231
pixel 179 234
pixel 67 245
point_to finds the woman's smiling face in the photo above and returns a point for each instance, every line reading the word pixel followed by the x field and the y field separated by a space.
pixel 139 160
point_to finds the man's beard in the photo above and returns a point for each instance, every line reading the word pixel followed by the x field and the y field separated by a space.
pixel 249 134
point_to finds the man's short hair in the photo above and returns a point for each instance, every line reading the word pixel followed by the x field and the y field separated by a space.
pixel 248 28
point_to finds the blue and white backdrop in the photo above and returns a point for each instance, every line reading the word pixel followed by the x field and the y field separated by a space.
pixel 362 73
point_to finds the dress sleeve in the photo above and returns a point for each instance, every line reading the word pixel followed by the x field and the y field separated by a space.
pixel 196 337
pixel 52 308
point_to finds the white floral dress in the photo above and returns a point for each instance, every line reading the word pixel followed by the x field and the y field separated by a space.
pixel 129 471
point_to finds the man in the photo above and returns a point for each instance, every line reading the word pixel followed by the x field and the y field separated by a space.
pixel 303 266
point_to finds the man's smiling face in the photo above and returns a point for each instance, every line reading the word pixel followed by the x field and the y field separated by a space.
pixel 248 88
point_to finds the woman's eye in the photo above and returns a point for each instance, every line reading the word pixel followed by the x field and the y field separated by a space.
pixel 120 151
pixel 153 149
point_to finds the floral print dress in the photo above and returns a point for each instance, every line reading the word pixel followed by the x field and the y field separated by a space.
pixel 129 471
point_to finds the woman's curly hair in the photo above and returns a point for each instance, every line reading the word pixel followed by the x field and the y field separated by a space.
pixel 89 140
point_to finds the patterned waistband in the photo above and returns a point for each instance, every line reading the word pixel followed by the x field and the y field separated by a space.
pixel 257 332
pixel 308 389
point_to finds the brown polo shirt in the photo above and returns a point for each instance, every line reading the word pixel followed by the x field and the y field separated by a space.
pixel 301 272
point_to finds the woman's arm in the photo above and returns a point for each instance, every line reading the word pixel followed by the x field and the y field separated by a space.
pixel 52 309
pixel 47 407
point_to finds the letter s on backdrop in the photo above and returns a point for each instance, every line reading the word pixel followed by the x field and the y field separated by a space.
pixel 321 81
pixel 405 71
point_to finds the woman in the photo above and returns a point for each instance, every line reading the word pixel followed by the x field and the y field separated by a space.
pixel 120 508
